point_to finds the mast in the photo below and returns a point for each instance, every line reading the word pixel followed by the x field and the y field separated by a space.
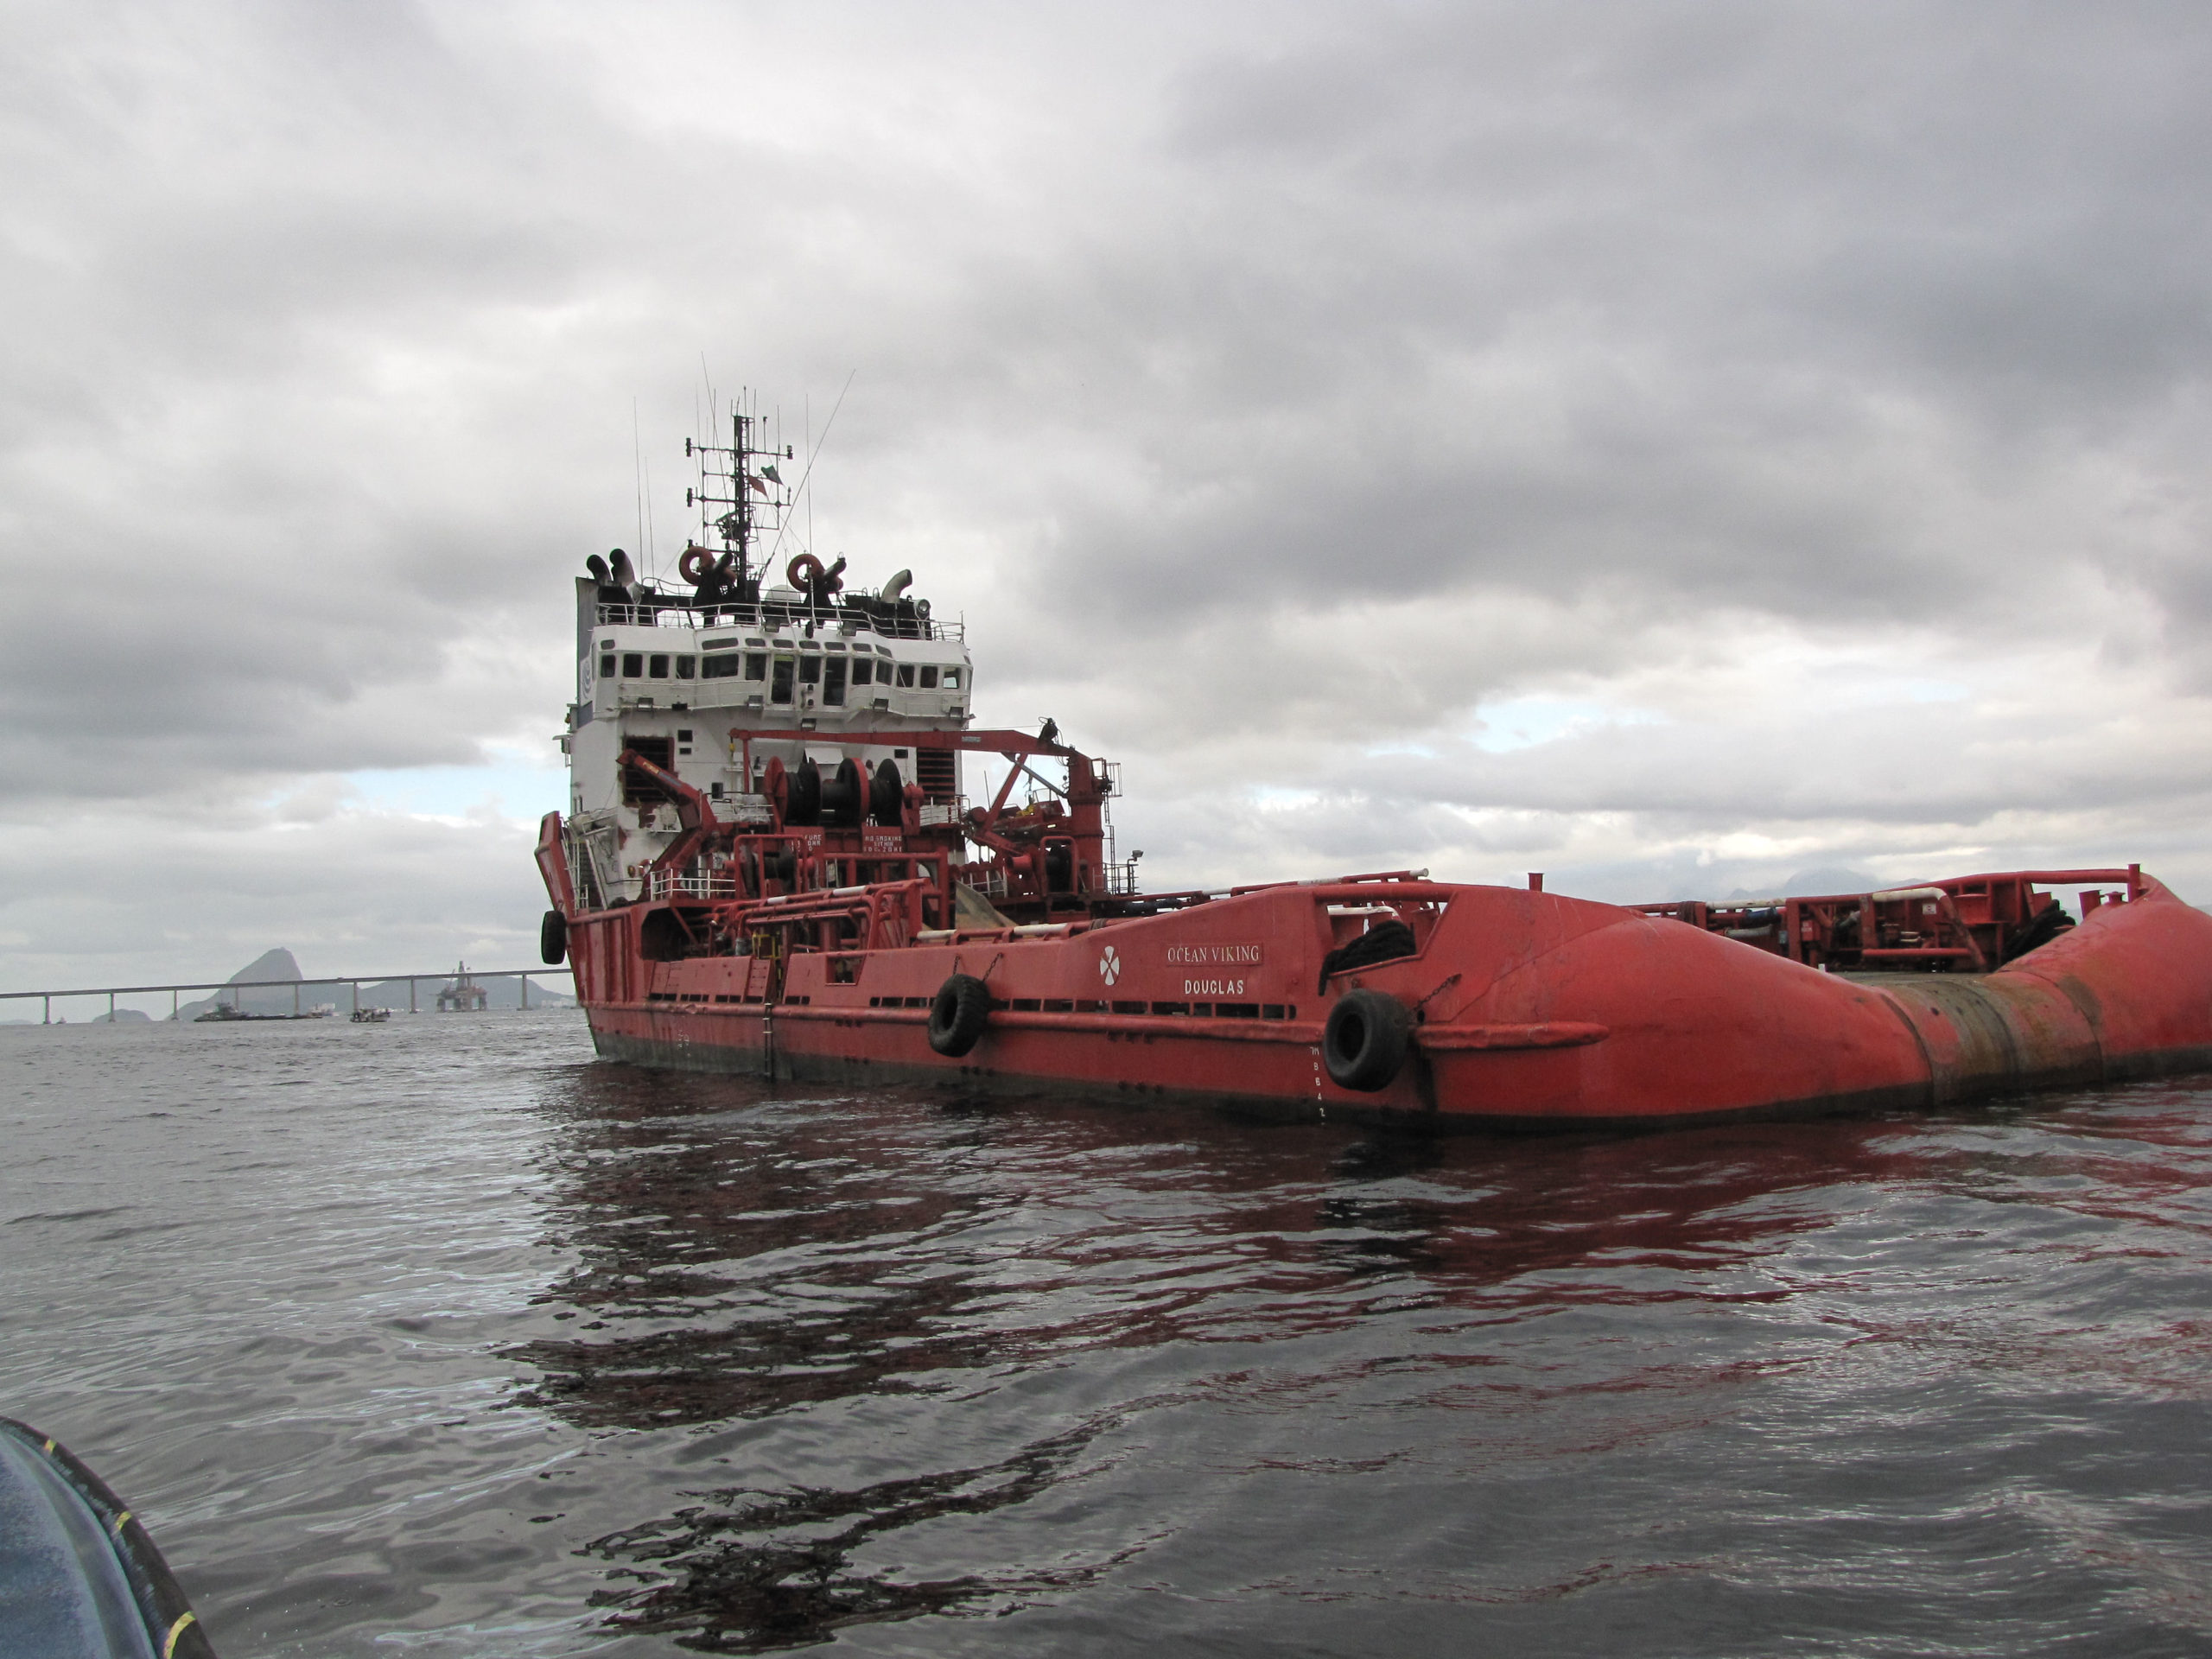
pixel 729 479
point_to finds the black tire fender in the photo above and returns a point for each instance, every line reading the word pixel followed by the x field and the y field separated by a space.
pixel 958 1013
pixel 1381 942
pixel 553 938
pixel 1366 1040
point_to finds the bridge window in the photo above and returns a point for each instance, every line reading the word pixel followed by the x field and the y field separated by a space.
pixel 810 668
pixel 929 675
pixel 722 668
pixel 684 665
pixel 905 673
pixel 952 679
pixel 756 664
pixel 606 666
pixel 633 665
pixel 863 670
pixel 833 683
pixel 779 687
pixel 657 668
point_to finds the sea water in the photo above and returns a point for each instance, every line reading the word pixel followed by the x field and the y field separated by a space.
pixel 443 1338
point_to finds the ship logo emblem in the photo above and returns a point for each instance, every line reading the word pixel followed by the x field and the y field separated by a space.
pixel 1109 965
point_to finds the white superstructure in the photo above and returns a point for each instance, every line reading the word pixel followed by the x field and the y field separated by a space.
pixel 679 678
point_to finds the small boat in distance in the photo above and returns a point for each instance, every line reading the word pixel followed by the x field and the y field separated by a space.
pixel 371 1016
pixel 771 863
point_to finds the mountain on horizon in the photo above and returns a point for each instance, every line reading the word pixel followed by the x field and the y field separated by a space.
pixel 281 964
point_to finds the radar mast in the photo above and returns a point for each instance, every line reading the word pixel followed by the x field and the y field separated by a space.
pixel 740 494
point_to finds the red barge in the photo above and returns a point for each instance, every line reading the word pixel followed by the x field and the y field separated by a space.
pixel 769 866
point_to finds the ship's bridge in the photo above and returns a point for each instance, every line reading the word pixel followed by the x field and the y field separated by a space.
pixel 675 682
pixel 837 671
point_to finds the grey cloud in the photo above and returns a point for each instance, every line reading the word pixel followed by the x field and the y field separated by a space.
pixel 1196 352
pixel 122 901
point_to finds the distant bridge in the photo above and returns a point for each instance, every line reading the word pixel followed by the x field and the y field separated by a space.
pixel 295 986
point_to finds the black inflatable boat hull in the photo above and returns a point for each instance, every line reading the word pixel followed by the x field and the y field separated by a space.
pixel 79 1577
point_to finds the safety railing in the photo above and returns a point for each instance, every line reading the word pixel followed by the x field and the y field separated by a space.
pixel 1120 879
pixel 691 884
pixel 665 615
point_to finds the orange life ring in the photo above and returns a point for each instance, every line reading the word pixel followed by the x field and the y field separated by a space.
pixel 804 572
pixel 697 564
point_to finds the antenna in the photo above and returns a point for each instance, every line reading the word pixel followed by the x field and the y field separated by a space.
pixel 811 460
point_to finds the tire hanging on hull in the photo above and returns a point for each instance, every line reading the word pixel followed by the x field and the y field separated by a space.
pixel 1366 1040
pixel 958 1013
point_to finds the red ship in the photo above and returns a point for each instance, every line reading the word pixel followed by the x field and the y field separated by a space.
pixel 769 866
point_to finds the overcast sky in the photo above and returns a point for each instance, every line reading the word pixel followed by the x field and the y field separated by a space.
pixel 1669 446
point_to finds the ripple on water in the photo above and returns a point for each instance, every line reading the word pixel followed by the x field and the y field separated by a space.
pixel 440 1335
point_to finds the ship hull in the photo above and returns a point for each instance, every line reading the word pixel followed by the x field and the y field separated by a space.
pixel 1528 1010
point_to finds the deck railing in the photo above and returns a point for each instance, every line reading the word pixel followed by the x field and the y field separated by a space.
pixel 665 615
pixel 692 884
